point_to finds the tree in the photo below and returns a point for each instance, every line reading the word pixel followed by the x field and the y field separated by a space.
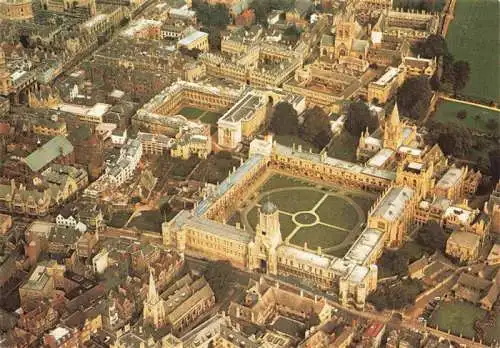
pixel 492 124
pixel 494 156
pixel 284 120
pixel 434 82
pixel 414 97
pixel 432 237
pixel 263 8
pixel 291 33
pixel 359 118
pixel 214 37
pixel 461 72
pixel 433 47
pixel 212 15
pixel 462 114
pixel 219 275
pixel 394 262
pixel 454 139
pixel 316 127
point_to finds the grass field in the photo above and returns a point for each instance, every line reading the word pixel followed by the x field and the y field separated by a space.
pixel 473 36
pixel 459 317
pixel 292 201
pixel 319 235
pixel 446 112
pixel 211 117
pixel 191 113
pixel 318 214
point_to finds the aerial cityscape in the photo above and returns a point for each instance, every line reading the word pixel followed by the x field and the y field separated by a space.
pixel 249 173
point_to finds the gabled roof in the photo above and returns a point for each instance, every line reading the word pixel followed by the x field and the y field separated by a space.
pixel 55 147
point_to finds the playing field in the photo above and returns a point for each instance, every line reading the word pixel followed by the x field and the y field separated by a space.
pixel 320 215
pixel 476 119
pixel 458 317
pixel 473 36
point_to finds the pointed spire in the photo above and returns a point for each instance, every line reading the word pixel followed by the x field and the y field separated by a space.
pixel 394 118
pixel 152 293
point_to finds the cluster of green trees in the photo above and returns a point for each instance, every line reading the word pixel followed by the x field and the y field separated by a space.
pixel 419 5
pixel 455 75
pixel 314 129
pixel 220 275
pixel 216 168
pixel 414 97
pixel 359 118
pixel 432 237
pixel 453 139
pixel 396 295
pixel 214 18
pixel 262 8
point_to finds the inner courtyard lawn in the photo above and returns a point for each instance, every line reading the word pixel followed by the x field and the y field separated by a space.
pixel 446 112
pixel 293 200
pixel 339 212
pixel 211 117
pixel 320 214
pixel 459 317
pixel 282 181
pixel 191 113
pixel 473 37
pixel 319 235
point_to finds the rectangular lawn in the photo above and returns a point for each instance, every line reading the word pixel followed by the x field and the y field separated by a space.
pixel 446 112
pixel 473 37
pixel 191 113
pixel 319 235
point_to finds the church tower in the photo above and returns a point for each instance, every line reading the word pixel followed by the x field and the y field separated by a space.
pixel 268 238
pixel 154 308
pixel 393 130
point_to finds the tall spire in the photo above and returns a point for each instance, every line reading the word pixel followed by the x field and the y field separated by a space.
pixel 152 293
pixel 394 118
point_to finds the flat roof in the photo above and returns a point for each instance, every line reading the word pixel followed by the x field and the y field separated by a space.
pixel 392 205
pixel 390 74
pixel 450 178
pixel 244 109
pixel 195 35
pixel 380 158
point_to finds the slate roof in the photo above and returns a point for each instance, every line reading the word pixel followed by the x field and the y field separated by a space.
pixel 51 150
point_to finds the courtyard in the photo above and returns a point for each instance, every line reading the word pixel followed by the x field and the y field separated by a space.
pixel 316 214
pixel 204 116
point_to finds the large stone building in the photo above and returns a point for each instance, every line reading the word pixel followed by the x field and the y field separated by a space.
pixel 16 10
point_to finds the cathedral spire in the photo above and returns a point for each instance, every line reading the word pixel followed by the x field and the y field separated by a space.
pixel 394 118
pixel 152 293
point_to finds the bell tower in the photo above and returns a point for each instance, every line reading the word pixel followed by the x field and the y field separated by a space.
pixel 268 238
pixel 393 129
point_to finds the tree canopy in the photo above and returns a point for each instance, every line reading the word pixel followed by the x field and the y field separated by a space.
pixel 414 97
pixel 461 75
pixel 284 120
pixel 434 46
pixel 316 127
pixel 220 275
pixel 359 118
pixel 263 8
pixel 394 262
pixel 212 15
pixel 454 139
pixel 432 237
pixel 395 296
pixel 494 156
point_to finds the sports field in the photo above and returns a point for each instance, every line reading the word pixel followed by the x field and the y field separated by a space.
pixel 476 119
pixel 473 37
pixel 320 215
